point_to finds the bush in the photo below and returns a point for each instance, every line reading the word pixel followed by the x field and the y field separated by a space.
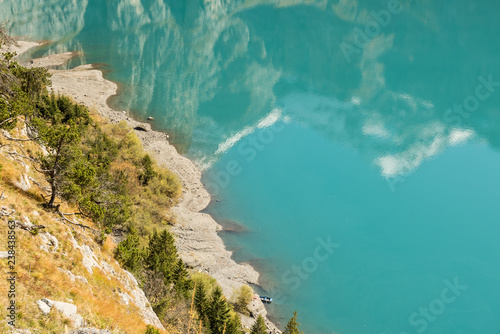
pixel 151 330
pixel 242 297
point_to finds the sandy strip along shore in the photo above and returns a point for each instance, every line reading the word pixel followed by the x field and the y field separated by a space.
pixel 197 240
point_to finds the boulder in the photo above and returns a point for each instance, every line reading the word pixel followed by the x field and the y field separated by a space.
pixel 68 310
pixel 44 305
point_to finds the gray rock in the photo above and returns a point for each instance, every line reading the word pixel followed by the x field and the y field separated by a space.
pixel 73 277
pixel 77 320
pixel 89 330
pixel 49 242
pixel 44 305
pixel 20 331
pixel 66 309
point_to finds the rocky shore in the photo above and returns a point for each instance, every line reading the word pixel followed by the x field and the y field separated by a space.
pixel 197 240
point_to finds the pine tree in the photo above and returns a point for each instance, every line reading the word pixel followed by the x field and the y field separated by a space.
pixel 162 254
pixel 128 252
pixel 259 326
pixel 60 141
pixel 147 170
pixel 218 314
pixel 292 327
pixel 234 325
pixel 200 300
pixel 181 278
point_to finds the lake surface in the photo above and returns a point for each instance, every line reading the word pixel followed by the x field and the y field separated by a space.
pixel 353 146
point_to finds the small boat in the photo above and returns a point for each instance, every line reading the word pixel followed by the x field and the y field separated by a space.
pixel 266 299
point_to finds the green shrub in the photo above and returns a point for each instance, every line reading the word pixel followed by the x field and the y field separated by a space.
pixel 151 330
pixel 242 297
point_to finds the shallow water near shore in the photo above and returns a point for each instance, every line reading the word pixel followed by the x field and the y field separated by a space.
pixel 355 143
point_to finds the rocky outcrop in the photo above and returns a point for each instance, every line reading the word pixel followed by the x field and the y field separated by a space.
pixel 49 242
pixel 134 293
pixel 68 310
pixel 74 277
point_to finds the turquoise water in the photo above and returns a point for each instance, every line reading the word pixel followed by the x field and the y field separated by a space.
pixel 352 145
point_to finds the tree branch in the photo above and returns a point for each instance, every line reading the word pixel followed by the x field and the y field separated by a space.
pixel 7 120
pixel 39 185
pixel 17 139
pixel 63 215
pixel 4 212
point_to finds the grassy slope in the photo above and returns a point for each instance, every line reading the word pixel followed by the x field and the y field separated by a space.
pixel 98 301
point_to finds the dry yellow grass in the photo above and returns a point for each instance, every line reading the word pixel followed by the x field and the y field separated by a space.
pixel 37 275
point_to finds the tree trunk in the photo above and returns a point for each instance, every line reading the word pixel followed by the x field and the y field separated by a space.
pixel 52 196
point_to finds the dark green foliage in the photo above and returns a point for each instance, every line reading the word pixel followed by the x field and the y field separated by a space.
pixel 32 80
pixel 234 325
pixel 218 312
pixel 259 326
pixel 11 108
pixel 181 278
pixel 151 330
pixel 162 254
pixel 61 109
pixel 201 303
pixel 148 172
pixel 292 327
pixel 20 87
pixel 61 141
pixel 128 253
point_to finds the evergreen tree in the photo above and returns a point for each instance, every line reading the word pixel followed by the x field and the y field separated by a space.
pixel 148 172
pixel 60 141
pixel 259 326
pixel 200 302
pixel 234 325
pixel 162 254
pixel 292 327
pixel 181 278
pixel 218 313
pixel 128 252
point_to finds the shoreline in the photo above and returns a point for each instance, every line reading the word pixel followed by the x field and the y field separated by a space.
pixel 197 239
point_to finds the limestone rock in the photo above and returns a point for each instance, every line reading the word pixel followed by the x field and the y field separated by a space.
pixel 89 330
pixel 44 305
pixel 20 331
pixel 74 277
pixel 50 244
pixel 68 310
